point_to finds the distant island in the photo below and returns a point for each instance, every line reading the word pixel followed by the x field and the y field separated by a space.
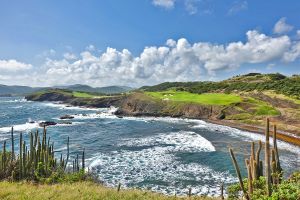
pixel 242 101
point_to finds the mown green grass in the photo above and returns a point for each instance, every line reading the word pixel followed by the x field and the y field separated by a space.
pixel 207 98
pixel 80 190
pixel 89 95
pixel 83 95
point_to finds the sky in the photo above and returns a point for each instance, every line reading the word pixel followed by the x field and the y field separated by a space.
pixel 145 42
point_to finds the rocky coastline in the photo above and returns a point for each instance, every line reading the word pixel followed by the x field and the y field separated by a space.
pixel 137 104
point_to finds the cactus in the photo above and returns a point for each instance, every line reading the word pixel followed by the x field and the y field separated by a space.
pixel 267 159
pixel 20 157
pixel 119 187
pixel 190 192
pixel 77 163
pixel 238 172
pixel 68 153
pixel 83 161
pixel 4 157
pixel 12 145
pixel 258 162
pixel 277 161
pixel 222 191
pixel 250 180
pixel 36 159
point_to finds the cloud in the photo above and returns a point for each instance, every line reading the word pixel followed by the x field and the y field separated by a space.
pixel 238 6
pixel 90 48
pixel 70 56
pixel 12 66
pixel 293 53
pixel 282 27
pixel 191 7
pixel 176 61
pixel 168 4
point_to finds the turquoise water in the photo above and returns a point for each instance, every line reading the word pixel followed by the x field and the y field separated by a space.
pixel 161 154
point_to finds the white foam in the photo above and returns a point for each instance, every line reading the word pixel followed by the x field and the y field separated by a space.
pixel 23 100
pixel 246 135
pixel 175 141
pixel 68 107
pixel 200 124
pixel 72 124
pixel 20 127
pixel 132 168
pixel 95 116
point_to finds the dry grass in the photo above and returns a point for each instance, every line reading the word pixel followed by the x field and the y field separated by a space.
pixel 76 191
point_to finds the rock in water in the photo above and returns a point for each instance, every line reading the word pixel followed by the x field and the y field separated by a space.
pixel 67 117
pixel 47 123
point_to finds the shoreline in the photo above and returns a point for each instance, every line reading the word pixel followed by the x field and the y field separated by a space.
pixel 281 135
pixel 259 130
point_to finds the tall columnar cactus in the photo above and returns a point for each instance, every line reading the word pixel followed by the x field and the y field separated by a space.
pixel 267 159
pixel 4 157
pixel 238 172
pixel 33 161
pixel 277 161
pixel 83 160
pixel 259 170
pixel 20 157
pixel 68 153
pixel 250 180
pixel 12 145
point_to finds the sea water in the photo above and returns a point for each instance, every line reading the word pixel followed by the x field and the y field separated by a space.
pixel 166 155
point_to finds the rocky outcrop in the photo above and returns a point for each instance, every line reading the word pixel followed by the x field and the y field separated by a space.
pixel 49 96
pixel 139 104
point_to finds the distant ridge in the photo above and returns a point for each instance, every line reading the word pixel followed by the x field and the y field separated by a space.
pixel 6 90
pixel 106 90
pixel 15 90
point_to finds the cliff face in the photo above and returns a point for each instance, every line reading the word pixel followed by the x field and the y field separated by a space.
pixel 71 100
pixel 139 104
pixel 136 104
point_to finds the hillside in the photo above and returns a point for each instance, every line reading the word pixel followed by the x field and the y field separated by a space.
pixel 6 90
pixel 242 101
pixel 278 83
pixel 16 90
pixel 105 90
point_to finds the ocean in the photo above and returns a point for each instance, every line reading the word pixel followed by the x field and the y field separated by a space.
pixel 165 155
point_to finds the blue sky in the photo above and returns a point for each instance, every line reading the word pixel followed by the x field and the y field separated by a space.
pixel 113 42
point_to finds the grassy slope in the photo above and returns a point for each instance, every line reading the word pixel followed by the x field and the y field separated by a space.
pixel 207 99
pixel 83 190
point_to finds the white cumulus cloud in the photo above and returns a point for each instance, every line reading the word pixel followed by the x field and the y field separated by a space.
pixel 176 61
pixel 282 27
pixel 9 66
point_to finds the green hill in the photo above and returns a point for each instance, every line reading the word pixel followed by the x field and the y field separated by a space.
pixel 278 83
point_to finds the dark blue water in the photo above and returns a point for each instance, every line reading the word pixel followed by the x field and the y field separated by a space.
pixel 162 154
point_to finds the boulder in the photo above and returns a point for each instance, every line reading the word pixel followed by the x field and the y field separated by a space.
pixel 47 123
pixel 67 117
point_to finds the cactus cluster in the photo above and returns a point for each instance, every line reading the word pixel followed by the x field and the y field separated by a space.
pixel 36 160
pixel 273 171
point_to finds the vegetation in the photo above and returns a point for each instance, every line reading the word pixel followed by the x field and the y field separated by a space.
pixel 258 186
pixel 207 99
pixel 37 162
pixel 85 95
pixel 79 190
pixel 278 83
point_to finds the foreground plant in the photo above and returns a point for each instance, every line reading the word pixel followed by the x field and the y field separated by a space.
pixel 37 162
pixel 268 186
